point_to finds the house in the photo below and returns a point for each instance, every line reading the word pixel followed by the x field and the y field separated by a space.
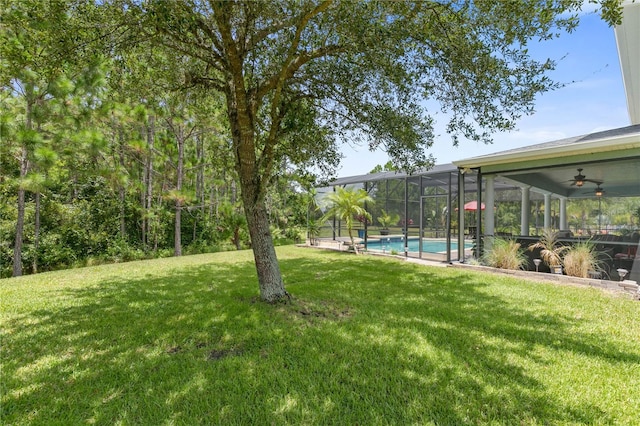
pixel 603 164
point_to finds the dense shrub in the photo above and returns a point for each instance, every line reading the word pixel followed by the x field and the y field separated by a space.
pixel 295 233
pixel 53 254
pixel 121 251
pixel 505 254
pixel 580 259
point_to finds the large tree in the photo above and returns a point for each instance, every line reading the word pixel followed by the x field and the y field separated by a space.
pixel 299 76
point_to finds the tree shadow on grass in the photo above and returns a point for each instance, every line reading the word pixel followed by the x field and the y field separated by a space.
pixel 462 355
pixel 362 342
pixel 95 359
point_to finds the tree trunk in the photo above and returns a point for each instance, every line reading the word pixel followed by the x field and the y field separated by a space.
pixel 236 238
pixel 177 247
pixel 24 169
pixel 156 233
pixel 241 111
pixel 180 137
pixel 144 223
pixel 151 135
pixel 146 195
pixel 36 235
pixel 199 185
pixel 17 248
pixel 121 189
pixel 353 240
pixel 200 172
pixel 143 226
pixel 269 277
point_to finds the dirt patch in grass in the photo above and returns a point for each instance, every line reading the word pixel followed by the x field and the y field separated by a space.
pixel 321 310
pixel 174 350
pixel 217 354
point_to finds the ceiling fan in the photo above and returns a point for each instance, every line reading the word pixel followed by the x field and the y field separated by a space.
pixel 579 180
pixel 599 192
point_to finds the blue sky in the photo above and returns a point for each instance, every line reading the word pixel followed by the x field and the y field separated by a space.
pixel 593 101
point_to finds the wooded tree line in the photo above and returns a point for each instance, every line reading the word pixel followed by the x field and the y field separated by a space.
pixel 96 176
pixel 105 159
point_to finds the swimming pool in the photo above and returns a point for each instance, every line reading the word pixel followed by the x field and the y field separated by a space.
pixel 428 245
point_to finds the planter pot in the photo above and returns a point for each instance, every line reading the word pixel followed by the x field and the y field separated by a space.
pixel 556 269
pixel 384 232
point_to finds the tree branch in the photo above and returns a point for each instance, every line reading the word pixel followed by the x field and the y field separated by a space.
pixel 288 71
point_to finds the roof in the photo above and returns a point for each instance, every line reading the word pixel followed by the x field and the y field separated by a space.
pixel 611 157
pixel 372 177
pixel 625 139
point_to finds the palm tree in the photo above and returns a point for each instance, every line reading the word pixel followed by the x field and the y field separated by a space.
pixel 386 220
pixel 346 204
pixel 550 249
pixel 233 222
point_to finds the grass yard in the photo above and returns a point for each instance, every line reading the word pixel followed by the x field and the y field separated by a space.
pixel 366 340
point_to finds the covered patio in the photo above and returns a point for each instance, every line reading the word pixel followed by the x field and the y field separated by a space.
pixel 597 166
pixel 520 192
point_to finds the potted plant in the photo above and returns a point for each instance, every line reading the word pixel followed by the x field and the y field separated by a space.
pixel 505 254
pixel 365 221
pixel 581 259
pixel 550 250
pixel 386 220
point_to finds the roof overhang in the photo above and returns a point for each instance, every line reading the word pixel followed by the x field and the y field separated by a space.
pixel 623 142
pixel 612 157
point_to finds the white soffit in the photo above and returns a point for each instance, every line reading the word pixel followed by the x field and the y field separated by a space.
pixel 628 40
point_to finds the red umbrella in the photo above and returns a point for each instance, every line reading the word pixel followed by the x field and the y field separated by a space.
pixel 472 206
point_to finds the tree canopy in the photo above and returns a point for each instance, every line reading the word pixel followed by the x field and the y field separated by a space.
pixel 311 74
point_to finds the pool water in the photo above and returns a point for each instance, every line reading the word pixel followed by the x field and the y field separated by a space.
pixel 428 245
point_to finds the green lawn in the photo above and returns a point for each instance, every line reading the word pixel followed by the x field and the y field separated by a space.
pixel 366 340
